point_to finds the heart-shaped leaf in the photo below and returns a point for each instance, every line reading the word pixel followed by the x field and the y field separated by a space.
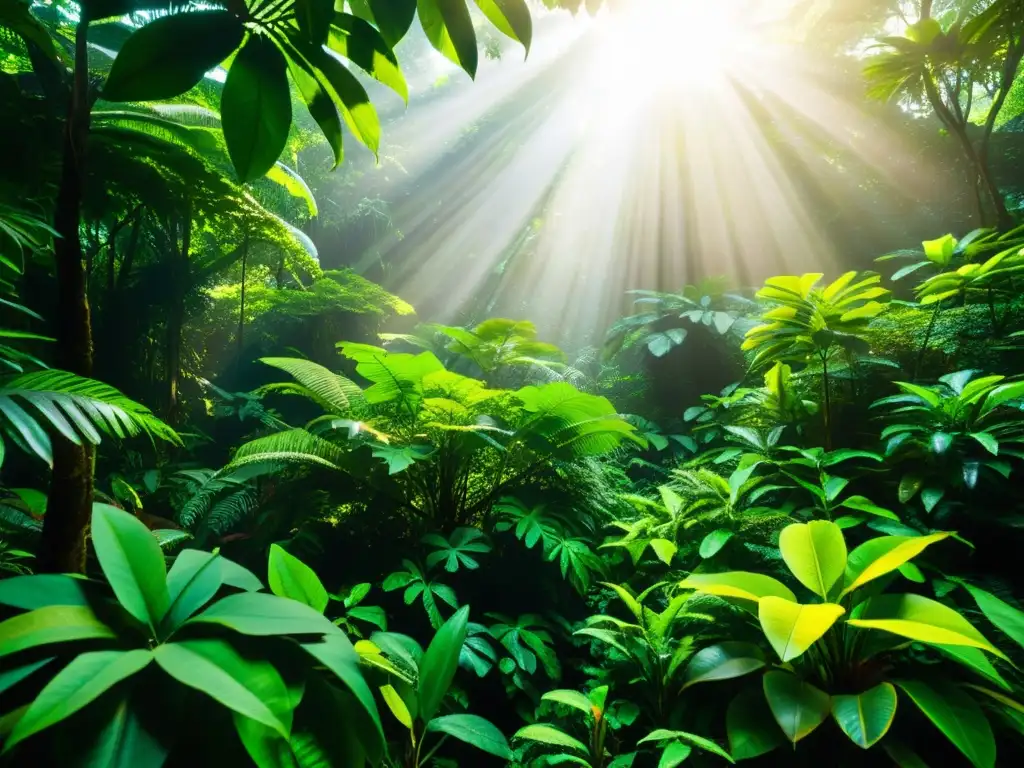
pixel 792 628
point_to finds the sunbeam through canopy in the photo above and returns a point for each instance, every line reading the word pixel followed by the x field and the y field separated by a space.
pixel 661 142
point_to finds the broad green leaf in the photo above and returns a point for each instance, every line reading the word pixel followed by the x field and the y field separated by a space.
pixel 723 662
pixel 976 660
pixel 257 613
pixel 392 17
pixel 707 745
pixel 674 755
pixel 958 716
pixel 449 28
pixel 798 706
pixel 473 730
pixel 866 717
pixel 569 698
pixel 815 552
pixel 741 584
pixel 440 660
pixel 124 742
pixel 713 543
pixel 396 705
pixel 215 668
pixel 511 17
pixel 153 65
pixel 290 577
pixel 883 555
pixel 87 677
pixel 365 47
pixel 862 504
pixel 53 624
pixel 132 562
pixel 751 727
pixel 256 107
pixel 792 628
pixel 664 549
pixel 919 618
pixel 321 108
pixel 196 577
pixel 1003 615
pixel 336 653
pixel 31 592
pixel 547 734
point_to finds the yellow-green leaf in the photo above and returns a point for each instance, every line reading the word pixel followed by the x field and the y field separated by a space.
pixel 792 628
pixel 883 555
pixel 815 552
pixel 396 705
pixel 741 584
pixel 920 618
pixel 866 717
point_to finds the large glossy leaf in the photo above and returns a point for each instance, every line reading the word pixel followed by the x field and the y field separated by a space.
pixel 256 108
pixel 132 562
pixel 31 592
pixel 214 667
pixel 958 716
pixel 751 727
pixel 547 734
pixel 474 730
pixel 797 705
pixel 320 105
pixel 195 578
pixel 883 555
pixel 153 65
pixel 815 552
pixel 88 676
pixel 365 47
pixel 53 624
pixel 792 628
pixel 741 584
pixel 392 17
pixel 919 618
pixel 723 661
pixel 866 717
pixel 257 613
pixel 569 698
pixel 440 660
pixel 511 17
pixel 449 28
pixel 290 577
pixel 1003 615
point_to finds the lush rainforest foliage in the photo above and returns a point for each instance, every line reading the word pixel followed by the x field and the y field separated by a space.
pixel 255 510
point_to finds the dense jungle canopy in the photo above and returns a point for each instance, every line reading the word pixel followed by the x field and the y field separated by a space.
pixel 434 383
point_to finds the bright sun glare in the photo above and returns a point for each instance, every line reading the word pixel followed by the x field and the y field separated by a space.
pixel 664 142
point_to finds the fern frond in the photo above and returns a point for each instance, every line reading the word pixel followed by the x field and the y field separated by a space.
pixel 295 446
pixel 333 392
pixel 231 510
pixel 74 406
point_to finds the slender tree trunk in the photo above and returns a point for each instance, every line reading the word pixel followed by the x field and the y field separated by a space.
pixel 176 318
pixel 69 506
pixel 241 301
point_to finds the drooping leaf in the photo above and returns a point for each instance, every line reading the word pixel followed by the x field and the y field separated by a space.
pixel 797 705
pixel 662 734
pixel 742 584
pixel 473 730
pixel 52 624
pixel 958 716
pixel 87 677
pixel 919 618
pixel 866 717
pixel 1003 615
pixel 153 65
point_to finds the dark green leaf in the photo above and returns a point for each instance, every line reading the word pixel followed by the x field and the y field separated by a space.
pixel 798 706
pixel 474 730
pixel 153 65
pixel 256 108
pixel 752 729
pixel 441 659
pixel 449 28
pixel 958 716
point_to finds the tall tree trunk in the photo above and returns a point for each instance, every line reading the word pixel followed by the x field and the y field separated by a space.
pixel 69 506
pixel 176 317
pixel 241 301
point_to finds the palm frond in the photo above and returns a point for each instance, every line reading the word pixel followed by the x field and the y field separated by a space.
pixel 76 407
pixel 333 392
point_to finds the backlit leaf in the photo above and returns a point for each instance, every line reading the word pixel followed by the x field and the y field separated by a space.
pixel 792 628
